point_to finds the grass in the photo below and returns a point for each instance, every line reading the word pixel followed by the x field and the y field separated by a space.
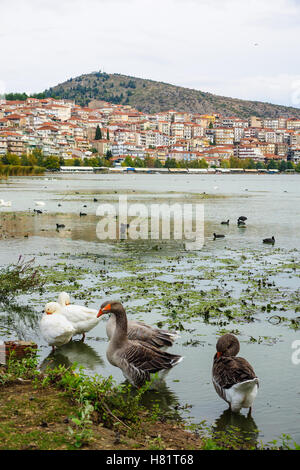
pixel 63 408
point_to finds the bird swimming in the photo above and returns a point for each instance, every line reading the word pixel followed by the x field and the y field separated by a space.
pixel 218 236
pixel 269 240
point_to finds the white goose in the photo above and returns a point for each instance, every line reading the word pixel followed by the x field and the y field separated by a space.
pixel 82 318
pixel 55 328
pixel 39 203
pixel 5 203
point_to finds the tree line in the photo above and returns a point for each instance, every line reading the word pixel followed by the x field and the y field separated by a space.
pixel 52 162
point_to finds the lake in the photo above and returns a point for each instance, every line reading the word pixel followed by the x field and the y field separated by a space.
pixel 234 284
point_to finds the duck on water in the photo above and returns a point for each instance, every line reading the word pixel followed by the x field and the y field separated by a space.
pixel 218 236
pixel 269 240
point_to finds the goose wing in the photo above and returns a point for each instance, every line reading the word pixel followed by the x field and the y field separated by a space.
pixel 55 327
pixel 139 360
pixel 153 336
pixel 77 313
pixel 228 371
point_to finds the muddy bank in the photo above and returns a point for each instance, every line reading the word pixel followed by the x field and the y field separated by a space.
pixel 36 417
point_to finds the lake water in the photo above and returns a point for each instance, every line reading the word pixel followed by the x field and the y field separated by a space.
pixel 241 284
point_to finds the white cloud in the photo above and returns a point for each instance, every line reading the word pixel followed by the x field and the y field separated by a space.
pixel 176 41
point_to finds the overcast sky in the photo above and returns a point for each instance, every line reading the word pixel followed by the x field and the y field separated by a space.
pixel 240 48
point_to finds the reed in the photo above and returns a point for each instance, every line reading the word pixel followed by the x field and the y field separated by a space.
pixel 18 170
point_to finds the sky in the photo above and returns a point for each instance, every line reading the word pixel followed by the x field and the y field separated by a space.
pixel 239 48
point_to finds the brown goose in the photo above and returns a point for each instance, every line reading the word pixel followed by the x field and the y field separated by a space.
pixel 142 332
pixel 233 377
pixel 137 360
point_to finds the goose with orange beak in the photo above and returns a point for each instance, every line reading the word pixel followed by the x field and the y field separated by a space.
pixel 55 328
pixel 136 359
pixel 137 330
pixel 233 377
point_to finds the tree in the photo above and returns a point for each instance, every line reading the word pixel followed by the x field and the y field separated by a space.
pixel 260 166
pixel 24 160
pixel 93 161
pixel 235 162
pixel 251 164
pixel 38 154
pixel 289 165
pixel 157 163
pixel 297 167
pixel 16 96
pixel 272 165
pixel 107 134
pixel 199 163
pixel 108 154
pixel 128 162
pixel 98 135
pixel 170 163
pixel 52 162
pixel 282 165
pixel 224 164
pixel 11 159
pixel 139 163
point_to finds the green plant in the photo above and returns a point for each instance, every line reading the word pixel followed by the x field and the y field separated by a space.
pixel 156 444
pixel 18 278
pixel 83 425
pixel 25 368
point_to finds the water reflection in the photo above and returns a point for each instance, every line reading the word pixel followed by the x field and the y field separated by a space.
pixel 19 321
pixel 163 397
pixel 74 352
pixel 244 427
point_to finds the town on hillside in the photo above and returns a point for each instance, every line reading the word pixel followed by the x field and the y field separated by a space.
pixel 58 133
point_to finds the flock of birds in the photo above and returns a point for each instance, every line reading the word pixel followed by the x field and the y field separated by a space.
pixel 138 349
pixel 241 223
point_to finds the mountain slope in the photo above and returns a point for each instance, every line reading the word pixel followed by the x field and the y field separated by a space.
pixel 150 96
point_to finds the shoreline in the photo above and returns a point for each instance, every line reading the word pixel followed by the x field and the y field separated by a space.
pixel 168 171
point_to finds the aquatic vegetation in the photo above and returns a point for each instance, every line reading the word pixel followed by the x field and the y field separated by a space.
pixel 18 278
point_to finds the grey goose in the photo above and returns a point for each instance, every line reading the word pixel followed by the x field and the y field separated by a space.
pixel 136 359
pixel 233 377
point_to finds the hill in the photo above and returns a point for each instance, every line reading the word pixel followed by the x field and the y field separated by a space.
pixel 150 96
